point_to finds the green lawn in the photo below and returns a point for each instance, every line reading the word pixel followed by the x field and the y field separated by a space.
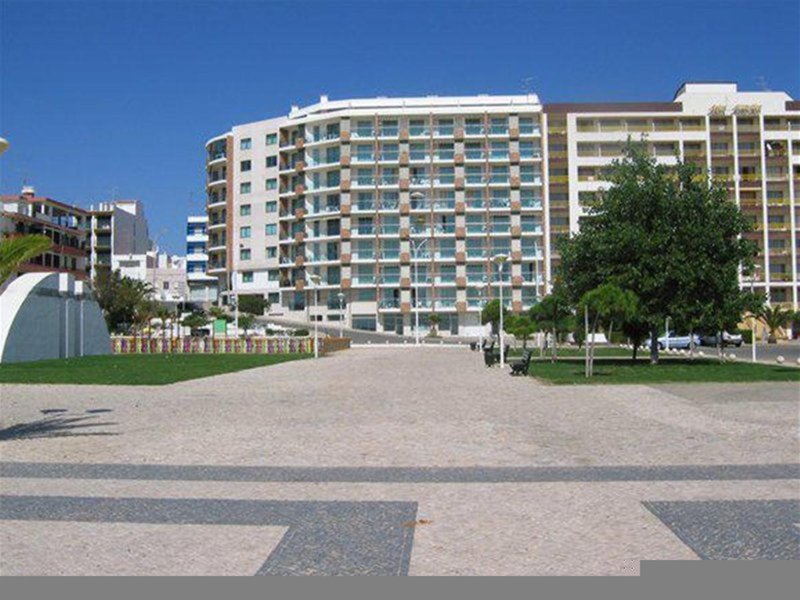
pixel 669 370
pixel 136 369
pixel 568 351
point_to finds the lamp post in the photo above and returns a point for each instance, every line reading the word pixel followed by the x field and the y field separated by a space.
pixel 315 279
pixel 481 289
pixel 340 295
pixel 415 247
pixel 499 260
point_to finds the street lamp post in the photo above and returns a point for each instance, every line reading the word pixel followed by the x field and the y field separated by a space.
pixel 481 288
pixel 415 247
pixel 315 279
pixel 499 260
pixel 340 295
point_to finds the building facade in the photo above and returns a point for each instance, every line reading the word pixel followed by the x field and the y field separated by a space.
pixel 120 237
pixel 201 287
pixel 67 226
pixel 388 207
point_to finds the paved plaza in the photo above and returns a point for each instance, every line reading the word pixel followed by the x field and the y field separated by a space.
pixel 394 461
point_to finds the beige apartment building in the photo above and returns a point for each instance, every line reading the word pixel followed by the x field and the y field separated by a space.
pixel 373 210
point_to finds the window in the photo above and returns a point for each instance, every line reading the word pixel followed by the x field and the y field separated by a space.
pixel 273 275
pixel 244 188
pixel 245 254
pixel 245 165
pixel 272 184
pixel 272 251
pixel 272 161
pixel 271 207
pixel 244 210
pixel 166 285
pixel 271 229
pixel 272 139
pixel 245 144
pixel 247 277
pixel 244 232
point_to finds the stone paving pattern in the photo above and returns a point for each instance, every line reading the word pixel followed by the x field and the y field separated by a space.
pixel 507 476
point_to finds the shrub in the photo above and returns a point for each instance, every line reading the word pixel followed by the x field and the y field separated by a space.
pixel 300 333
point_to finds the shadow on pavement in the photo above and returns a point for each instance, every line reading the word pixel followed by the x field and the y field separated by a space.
pixel 55 426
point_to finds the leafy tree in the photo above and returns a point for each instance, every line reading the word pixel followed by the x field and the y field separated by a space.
pixel 195 321
pixel 434 320
pixel 491 314
pixel 15 250
pixel 253 304
pixel 554 314
pixel 664 232
pixel 604 303
pixel 774 317
pixel 122 299
pixel 636 330
pixel 246 322
pixel 520 326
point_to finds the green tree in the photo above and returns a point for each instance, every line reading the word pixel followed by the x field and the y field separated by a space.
pixel 554 314
pixel 195 321
pixel 664 232
pixel 253 304
pixel 121 299
pixel 434 320
pixel 636 329
pixel 774 317
pixel 491 314
pixel 520 326
pixel 15 250
pixel 604 303
pixel 246 321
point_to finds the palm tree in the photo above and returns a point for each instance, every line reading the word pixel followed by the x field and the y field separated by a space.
pixel 774 317
pixel 19 249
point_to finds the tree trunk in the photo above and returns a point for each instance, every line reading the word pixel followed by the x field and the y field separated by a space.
pixel 553 350
pixel 591 348
pixel 610 330
pixel 635 350
pixel 586 340
pixel 654 346
pixel 691 344
pixel 719 347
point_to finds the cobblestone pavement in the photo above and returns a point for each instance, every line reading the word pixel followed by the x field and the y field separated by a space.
pixel 394 461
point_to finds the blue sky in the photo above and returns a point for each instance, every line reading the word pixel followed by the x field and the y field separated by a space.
pixel 119 97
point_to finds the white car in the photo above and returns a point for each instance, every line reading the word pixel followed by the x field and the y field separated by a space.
pixel 675 342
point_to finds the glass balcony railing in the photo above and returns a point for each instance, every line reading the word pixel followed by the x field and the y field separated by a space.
pixel 389 131
pixel 449 204
pixel 363 157
pixel 389 229
pixel 389 155
pixel 418 155
pixel 444 130
pixel 389 180
pixel 474 155
pixel 499 203
pixel 389 303
pixel 363 132
pixel 417 130
pixel 474 129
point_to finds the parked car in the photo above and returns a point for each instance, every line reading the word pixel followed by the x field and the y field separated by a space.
pixel 728 339
pixel 679 342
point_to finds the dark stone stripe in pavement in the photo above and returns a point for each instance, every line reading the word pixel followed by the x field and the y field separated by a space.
pixel 475 474
pixel 734 529
pixel 324 538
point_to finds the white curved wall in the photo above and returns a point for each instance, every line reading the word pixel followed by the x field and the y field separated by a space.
pixel 50 315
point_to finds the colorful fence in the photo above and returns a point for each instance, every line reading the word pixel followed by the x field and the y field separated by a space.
pixel 195 345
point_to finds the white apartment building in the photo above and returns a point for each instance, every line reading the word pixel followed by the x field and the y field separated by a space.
pixel 400 204
pixel 120 237
pixel 200 287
